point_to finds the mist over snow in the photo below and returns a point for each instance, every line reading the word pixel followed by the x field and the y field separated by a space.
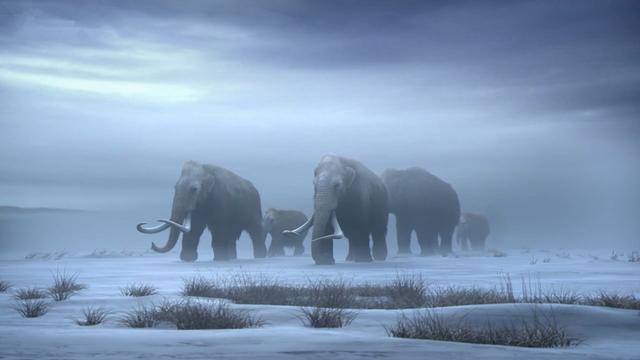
pixel 530 110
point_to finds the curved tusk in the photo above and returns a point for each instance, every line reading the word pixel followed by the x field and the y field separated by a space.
pixel 337 235
pixel 185 227
pixel 151 230
pixel 300 230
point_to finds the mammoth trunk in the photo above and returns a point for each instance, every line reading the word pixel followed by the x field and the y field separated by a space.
pixel 177 217
pixel 321 222
pixel 321 247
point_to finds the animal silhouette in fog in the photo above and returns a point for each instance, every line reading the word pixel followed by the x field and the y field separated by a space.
pixel 350 196
pixel 208 196
pixel 473 229
pixel 276 221
pixel 423 203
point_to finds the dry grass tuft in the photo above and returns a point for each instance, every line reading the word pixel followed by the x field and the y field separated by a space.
pixel 93 316
pixel 320 317
pixel 4 286
pixel 540 332
pixel 200 287
pixel 613 300
pixel 138 290
pixel 31 308
pixel 30 294
pixel 188 315
pixel 64 285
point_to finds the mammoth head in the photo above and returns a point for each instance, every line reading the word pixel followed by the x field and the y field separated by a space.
pixel 192 188
pixel 268 219
pixel 332 179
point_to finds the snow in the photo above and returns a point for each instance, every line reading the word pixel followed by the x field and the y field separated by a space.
pixel 606 333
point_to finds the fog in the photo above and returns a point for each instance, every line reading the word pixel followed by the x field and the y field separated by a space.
pixel 530 110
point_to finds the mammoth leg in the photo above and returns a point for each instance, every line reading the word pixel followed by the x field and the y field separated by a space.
pixel 379 245
pixel 276 248
pixel 477 243
pixel 403 231
pixel 220 240
pixel 428 240
pixel 351 251
pixel 299 248
pixel 322 250
pixel 446 236
pixel 360 249
pixel 257 240
pixel 191 240
pixel 232 252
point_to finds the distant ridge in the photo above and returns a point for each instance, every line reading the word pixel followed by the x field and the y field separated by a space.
pixel 22 210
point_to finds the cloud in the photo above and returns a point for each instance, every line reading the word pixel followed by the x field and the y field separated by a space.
pixel 516 103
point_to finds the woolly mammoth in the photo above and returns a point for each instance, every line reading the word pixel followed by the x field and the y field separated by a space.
pixel 423 203
pixel 473 229
pixel 350 197
pixel 212 197
pixel 276 221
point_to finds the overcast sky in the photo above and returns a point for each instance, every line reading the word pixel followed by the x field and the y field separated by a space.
pixel 531 110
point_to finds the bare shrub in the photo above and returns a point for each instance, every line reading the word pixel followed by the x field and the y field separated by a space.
pixel 93 316
pixel 188 315
pixel 634 257
pixel 541 331
pixel 194 316
pixel 201 287
pixel 247 289
pixel 31 308
pixel 613 300
pixel 4 285
pixel 29 294
pixel 320 317
pixel 561 296
pixel 64 285
pixel 330 294
pixel 141 317
pixel 407 291
pixel 456 296
pixel 138 290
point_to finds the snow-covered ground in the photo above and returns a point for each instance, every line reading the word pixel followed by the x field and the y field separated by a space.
pixel 606 333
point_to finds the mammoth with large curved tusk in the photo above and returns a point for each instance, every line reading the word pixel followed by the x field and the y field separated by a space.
pixel 348 196
pixel 213 197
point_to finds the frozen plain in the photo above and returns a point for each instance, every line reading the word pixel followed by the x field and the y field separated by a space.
pixel 606 333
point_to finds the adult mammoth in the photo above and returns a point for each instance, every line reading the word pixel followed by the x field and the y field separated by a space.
pixel 473 229
pixel 208 196
pixel 425 204
pixel 275 222
pixel 349 196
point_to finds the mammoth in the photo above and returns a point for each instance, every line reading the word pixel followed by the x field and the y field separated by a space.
pixel 473 228
pixel 423 203
pixel 208 196
pixel 349 200
pixel 274 222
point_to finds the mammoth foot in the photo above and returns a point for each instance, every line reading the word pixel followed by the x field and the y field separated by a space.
pixel 325 261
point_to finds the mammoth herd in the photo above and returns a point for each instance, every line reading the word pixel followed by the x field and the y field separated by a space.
pixel 350 201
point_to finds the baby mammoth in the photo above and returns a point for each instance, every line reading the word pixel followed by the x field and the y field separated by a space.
pixel 276 221
pixel 424 203
pixel 473 228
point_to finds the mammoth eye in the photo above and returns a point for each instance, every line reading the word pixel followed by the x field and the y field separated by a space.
pixel 193 189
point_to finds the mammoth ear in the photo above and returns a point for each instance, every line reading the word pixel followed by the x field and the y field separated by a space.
pixel 350 176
